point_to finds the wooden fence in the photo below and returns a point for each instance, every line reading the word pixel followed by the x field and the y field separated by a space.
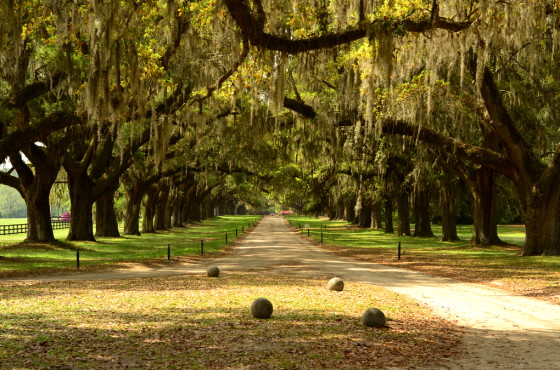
pixel 57 224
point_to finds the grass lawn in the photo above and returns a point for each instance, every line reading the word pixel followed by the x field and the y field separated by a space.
pixel 200 322
pixel 12 221
pixel 499 266
pixel 18 258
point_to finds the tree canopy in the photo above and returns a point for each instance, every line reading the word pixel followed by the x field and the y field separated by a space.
pixel 349 109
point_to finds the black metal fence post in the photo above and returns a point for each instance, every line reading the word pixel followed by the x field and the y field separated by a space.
pixel 226 238
pixel 168 252
pixel 77 258
pixel 399 251
pixel 202 247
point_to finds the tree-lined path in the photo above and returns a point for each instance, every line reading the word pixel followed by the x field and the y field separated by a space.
pixel 502 330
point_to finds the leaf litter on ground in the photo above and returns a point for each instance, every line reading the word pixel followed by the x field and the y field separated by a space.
pixel 198 322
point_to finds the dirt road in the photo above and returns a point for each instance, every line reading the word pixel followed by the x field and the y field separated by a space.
pixel 504 331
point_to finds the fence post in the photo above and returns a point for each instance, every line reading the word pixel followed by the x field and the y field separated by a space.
pixel 202 247
pixel 226 238
pixel 77 258
pixel 308 232
pixel 321 236
pixel 168 252
pixel 399 251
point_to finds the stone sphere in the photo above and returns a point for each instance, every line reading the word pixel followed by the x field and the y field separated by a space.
pixel 335 284
pixel 213 271
pixel 261 308
pixel 374 318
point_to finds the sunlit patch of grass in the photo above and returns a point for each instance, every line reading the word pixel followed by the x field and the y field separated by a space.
pixel 186 321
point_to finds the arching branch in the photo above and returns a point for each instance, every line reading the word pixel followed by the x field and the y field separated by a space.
pixel 482 156
pixel 252 28
pixel 56 121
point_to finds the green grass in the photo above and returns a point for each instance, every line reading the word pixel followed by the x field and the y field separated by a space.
pixel 22 257
pixel 536 276
pixel 12 221
pixel 342 233
pixel 199 322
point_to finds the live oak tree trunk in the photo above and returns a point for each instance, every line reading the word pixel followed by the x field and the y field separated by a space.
pixel 376 215
pixel 448 215
pixel 485 224
pixel 82 200
pixel 105 217
pixel 422 227
pixel 149 210
pixel 35 186
pixel 403 212
pixel 169 209
pixel 389 228
pixel 177 207
pixel 542 225
pixel 364 216
pixel 134 197
pixel 350 211
pixel 39 227
pixel 161 206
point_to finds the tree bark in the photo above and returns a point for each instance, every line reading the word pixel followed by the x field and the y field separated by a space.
pixel 132 215
pixel 543 223
pixel 376 215
pixel 35 186
pixel 106 223
pixel 403 211
pixel 177 207
pixel 448 215
pixel 389 228
pixel 161 205
pixel 149 210
pixel 39 226
pixel 364 216
pixel 81 204
pixel 422 227
pixel 485 222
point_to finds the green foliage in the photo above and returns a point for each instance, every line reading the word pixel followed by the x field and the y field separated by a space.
pixel 11 203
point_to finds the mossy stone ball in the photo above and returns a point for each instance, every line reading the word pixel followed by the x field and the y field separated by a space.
pixel 374 318
pixel 213 271
pixel 336 284
pixel 261 308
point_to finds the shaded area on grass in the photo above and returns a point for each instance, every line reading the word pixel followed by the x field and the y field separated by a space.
pixel 201 322
pixel 499 266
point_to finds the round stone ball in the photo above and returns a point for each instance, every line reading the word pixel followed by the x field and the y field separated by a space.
pixel 213 271
pixel 374 318
pixel 335 284
pixel 261 308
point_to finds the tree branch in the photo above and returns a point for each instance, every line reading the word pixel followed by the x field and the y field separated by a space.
pixel 253 29
pixel 17 139
pixel 482 156
pixel 300 107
